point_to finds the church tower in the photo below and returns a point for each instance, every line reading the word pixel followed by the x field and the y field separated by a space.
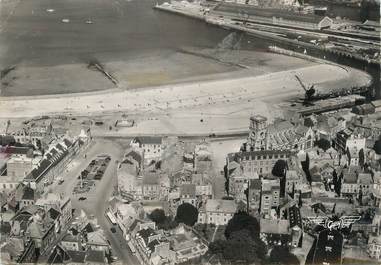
pixel 258 133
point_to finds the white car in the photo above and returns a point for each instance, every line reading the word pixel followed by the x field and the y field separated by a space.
pixel 89 21
pixel 65 20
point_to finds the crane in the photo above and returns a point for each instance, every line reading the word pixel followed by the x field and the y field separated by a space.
pixel 309 91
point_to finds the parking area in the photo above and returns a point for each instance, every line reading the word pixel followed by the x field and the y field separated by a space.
pixel 93 172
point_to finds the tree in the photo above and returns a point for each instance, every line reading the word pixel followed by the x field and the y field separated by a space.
pixel 361 158
pixel 187 214
pixel 323 144
pixel 240 248
pixel 226 173
pixel 240 221
pixel 281 255
pixel 306 168
pixel 243 248
pixel 158 216
pixel 279 170
pixel 377 147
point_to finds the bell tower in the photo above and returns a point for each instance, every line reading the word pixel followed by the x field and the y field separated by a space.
pixel 258 133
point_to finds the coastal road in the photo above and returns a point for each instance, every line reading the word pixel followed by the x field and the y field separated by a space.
pixel 97 198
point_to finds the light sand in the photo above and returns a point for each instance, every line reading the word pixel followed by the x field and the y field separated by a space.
pixel 182 96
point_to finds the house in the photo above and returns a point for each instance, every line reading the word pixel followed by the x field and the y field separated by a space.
pixel 129 183
pixel 42 231
pixel 72 242
pixel 186 245
pixel 255 193
pixel 365 182
pixel 294 180
pixel 151 186
pixel 275 232
pixel 149 244
pixel 349 183
pixel 126 214
pixel 217 211
pixel 28 197
pixel 152 147
pixel 296 226
pixel 188 194
pixel 374 247
pixel 270 196
pixel 95 257
pixel 97 241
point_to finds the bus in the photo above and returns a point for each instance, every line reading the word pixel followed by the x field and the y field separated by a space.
pixel 131 247
pixel 111 218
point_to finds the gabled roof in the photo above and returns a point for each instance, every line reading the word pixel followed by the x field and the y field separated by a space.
pixel 295 217
pixel 95 256
pixel 188 190
pixel 148 140
pixel 77 256
pixel 58 256
pixel 53 213
pixel 222 206
pixel 28 194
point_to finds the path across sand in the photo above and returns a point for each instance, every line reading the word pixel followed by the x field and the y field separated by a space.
pixel 181 96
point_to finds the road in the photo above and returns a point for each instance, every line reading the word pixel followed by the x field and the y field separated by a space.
pixel 97 197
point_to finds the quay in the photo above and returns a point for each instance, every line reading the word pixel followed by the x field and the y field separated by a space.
pixel 276 33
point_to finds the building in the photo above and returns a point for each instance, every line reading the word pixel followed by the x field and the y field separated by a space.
pixel 275 232
pixel 19 166
pixel 217 211
pixel 374 247
pixel 152 147
pixel 188 194
pixel 349 183
pixel 270 196
pixel 280 135
pixel 186 245
pixel 151 186
pixel 52 165
pixel 258 162
pixel 274 16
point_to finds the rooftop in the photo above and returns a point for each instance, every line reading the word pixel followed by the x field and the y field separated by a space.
pixel 223 206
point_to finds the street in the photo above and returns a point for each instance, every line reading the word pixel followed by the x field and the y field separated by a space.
pixel 96 199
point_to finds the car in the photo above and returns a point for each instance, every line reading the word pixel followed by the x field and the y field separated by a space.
pixel 113 230
pixel 82 198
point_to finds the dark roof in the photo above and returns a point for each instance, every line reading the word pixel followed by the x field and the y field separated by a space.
pixel 40 171
pixel 67 142
pixel 256 184
pixel 54 213
pixel 88 228
pixel 95 256
pixel 77 256
pixel 152 245
pixel 149 140
pixel 28 194
pixel 58 255
pixel 145 233
pixel 17 150
pixel 269 12
pixel 295 217
pixel 253 154
pixel 136 156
